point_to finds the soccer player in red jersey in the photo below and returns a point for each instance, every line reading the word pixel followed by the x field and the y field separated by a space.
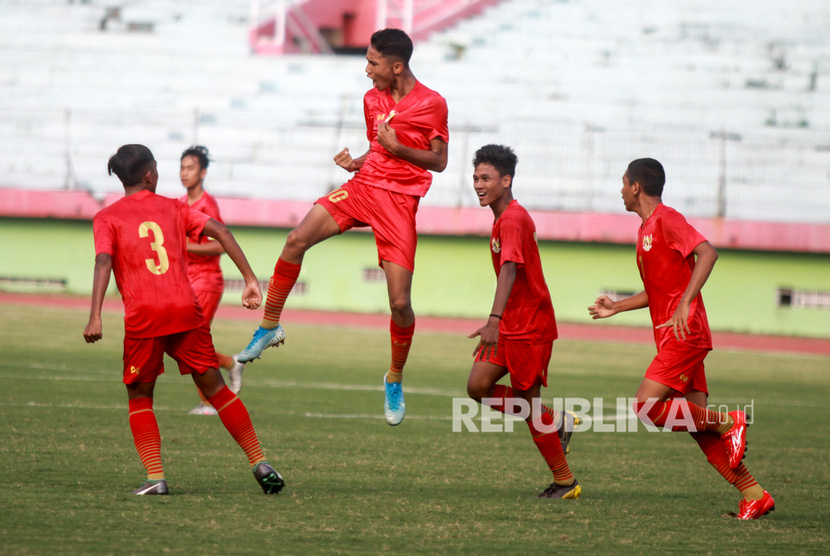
pixel 203 255
pixel 675 261
pixel 518 336
pixel 142 239
pixel 406 125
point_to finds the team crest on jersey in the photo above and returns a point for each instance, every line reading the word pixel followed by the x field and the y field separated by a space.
pixel 647 243
pixel 495 244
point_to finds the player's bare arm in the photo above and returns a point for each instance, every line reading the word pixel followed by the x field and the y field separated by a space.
pixel 434 158
pixel 94 330
pixel 489 333
pixel 706 257
pixel 207 249
pixel 605 307
pixel 252 296
pixel 344 160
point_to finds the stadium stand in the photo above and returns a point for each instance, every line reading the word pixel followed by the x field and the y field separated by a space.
pixel 737 106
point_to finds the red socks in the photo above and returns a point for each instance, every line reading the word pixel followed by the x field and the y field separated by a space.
pixel 546 440
pixel 401 342
pixel 678 414
pixel 284 278
pixel 146 436
pixel 235 417
pixel 715 451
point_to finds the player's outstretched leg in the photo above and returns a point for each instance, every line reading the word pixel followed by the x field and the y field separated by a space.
pixel 566 421
pixel 237 421
pixel 394 406
pixel 564 484
pixel 270 333
pixel 145 430
pixel 756 501
pixel 679 414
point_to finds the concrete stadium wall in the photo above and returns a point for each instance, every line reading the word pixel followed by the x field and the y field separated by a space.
pixel 453 277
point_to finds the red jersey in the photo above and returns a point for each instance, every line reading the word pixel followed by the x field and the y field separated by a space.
pixel 529 313
pixel 419 117
pixel 204 271
pixel 664 256
pixel 146 235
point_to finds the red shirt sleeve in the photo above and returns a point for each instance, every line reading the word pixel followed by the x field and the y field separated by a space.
pixel 510 233
pixel 194 222
pixel 680 235
pixel 103 236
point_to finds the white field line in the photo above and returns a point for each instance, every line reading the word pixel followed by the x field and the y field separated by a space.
pixel 290 384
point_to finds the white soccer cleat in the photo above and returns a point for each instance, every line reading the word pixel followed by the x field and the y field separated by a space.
pixel 204 409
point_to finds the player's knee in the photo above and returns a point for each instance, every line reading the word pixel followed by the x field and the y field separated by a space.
pixel 400 305
pixel 296 243
pixel 640 409
pixel 478 389
pixel 475 392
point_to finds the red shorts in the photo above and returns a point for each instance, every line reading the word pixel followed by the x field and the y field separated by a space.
pixel 679 367
pixel 390 214
pixel 527 363
pixel 209 301
pixel 192 350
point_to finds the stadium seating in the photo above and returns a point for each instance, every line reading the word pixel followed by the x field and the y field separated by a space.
pixel 735 105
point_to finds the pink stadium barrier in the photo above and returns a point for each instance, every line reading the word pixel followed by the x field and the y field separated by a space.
pixel 555 226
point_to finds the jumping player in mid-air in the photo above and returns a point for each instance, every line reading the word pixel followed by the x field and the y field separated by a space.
pixel 675 261
pixel 406 125
pixel 203 267
pixel 142 240
pixel 517 339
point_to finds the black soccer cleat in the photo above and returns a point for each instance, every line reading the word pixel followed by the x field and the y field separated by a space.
pixel 152 488
pixel 268 478
pixel 571 491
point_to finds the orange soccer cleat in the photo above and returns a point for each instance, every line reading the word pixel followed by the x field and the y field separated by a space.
pixel 753 509
pixel 735 439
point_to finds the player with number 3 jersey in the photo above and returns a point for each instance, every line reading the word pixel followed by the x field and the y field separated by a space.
pixel 142 240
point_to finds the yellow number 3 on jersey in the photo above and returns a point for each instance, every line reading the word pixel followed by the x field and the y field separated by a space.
pixel 157 245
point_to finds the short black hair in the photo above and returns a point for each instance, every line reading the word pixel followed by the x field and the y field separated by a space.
pixel 199 152
pixel 393 43
pixel 649 174
pixel 130 163
pixel 502 158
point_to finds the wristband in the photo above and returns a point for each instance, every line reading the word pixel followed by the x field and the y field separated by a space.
pixel 494 315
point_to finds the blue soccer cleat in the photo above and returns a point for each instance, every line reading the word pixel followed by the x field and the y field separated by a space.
pixel 263 338
pixel 394 407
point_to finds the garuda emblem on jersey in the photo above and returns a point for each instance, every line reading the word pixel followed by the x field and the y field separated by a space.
pixel 646 243
pixel 495 244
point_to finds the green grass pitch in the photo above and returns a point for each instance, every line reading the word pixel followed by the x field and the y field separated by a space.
pixel 358 486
